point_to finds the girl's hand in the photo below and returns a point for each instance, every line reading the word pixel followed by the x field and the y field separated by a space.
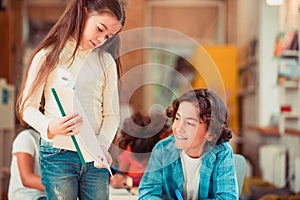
pixel 108 158
pixel 64 125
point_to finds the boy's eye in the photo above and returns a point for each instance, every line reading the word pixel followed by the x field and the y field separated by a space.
pixel 176 118
pixel 190 124
pixel 99 29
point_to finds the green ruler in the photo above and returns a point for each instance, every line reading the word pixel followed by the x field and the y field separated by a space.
pixel 64 114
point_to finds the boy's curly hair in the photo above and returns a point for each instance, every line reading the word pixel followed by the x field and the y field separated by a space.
pixel 212 111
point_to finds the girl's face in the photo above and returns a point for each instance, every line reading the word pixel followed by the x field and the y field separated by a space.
pixel 188 131
pixel 98 28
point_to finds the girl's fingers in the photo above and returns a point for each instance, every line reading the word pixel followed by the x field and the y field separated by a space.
pixel 71 124
pixel 65 125
pixel 68 117
pixel 75 132
pixel 98 165
pixel 73 120
pixel 72 130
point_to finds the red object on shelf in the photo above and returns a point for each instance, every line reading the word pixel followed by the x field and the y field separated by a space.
pixel 286 108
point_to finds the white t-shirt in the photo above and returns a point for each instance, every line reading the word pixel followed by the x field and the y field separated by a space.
pixel 28 142
pixel 191 171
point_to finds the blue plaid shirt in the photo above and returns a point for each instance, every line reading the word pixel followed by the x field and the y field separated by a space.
pixel 164 173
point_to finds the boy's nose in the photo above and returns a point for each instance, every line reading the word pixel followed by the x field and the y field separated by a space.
pixel 180 126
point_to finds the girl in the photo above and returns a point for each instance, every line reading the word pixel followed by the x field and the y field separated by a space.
pixel 197 161
pixel 78 52
pixel 25 180
pixel 137 138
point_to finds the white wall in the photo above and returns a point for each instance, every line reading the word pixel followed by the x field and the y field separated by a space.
pixel 267 68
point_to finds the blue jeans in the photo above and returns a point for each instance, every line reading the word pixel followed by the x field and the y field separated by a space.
pixel 64 177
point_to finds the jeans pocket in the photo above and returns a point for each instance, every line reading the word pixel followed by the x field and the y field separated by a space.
pixel 46 150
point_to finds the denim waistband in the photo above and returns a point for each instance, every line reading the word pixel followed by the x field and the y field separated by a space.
pixel 45 142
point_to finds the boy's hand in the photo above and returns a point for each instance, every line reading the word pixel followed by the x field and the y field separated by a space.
pixel 119 181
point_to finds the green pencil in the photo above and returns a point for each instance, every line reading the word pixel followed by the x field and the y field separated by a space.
pixel 64 114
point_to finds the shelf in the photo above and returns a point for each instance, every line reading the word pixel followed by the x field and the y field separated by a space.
pixel 272 131
pixel 289 53
pixel 293 132
pixel 289 84
pixel 289 92
pixel 290 115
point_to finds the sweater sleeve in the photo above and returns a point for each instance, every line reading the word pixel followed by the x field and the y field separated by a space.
pixel 31 113
pixel 110 113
